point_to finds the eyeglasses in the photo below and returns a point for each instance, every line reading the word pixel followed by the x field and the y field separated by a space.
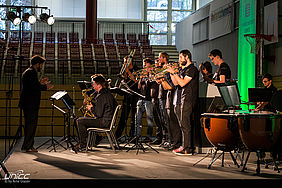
pixel 265 81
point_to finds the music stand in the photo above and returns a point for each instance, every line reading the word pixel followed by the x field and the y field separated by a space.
pixel 259 95
pixel 230 94
pixel 54 142
pixel 68 102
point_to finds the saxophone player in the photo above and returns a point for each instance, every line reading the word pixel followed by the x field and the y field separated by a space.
pixel 102 106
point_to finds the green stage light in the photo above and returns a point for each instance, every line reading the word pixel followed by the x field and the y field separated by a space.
pixel 246 60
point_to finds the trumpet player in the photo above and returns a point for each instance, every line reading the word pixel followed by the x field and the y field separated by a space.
pixel 129 101
pixel 102 107
pixel 187 81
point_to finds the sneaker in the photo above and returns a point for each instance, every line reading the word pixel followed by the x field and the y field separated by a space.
pixel 184 153
pixel 181 148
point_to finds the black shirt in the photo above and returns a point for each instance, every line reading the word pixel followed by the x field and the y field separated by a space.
pixel 30 90
pixel 223 69
pixel 146 88
pixel 190 92
pixel 104 105
pixel 268 107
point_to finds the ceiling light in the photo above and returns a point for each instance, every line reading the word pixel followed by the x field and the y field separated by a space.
pixel 47 19
pixel 13 18
pixel 29 18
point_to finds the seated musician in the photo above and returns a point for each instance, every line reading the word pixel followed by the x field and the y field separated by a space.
pixel 102 107
pixel 267 82
pixel 206 70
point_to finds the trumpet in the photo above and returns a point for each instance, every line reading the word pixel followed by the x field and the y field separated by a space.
pixel 154 72
pixel 87 99
pixel 160 72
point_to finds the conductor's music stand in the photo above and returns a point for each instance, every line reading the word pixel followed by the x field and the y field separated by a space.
pixel 63 95
pixel 54 142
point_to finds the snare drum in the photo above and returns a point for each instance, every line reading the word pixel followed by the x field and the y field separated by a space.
pixel 259 131
pixel 221 130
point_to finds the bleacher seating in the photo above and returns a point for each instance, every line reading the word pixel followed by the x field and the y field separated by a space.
pixel 49 66
pixel 62 58
pixel 62 37
pixel 73 37
pixel 120 39
pixel 75 58
pixel 113 59
pixel 38 37
pixel 99 56
pixel 24 64
pixel 68 54
pixel 50 37
pixel 87 57
pixel 37 49
pixel 123 51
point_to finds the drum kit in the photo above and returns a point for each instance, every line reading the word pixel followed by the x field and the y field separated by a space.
pixel 238 130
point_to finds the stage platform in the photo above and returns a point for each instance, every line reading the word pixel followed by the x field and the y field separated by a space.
pixel 102 164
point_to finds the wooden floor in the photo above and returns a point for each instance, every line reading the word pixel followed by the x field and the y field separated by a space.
pixel 102 164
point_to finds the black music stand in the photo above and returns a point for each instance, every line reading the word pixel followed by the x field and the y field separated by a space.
pixel 54 142
pixel 68 102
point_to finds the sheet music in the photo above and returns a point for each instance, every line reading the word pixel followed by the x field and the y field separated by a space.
pixel 58 95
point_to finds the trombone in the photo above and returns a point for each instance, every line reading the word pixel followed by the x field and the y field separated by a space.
pixel 126 65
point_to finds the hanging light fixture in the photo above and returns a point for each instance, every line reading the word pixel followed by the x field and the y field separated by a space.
pixel 29 18
pixel 47 19
pixel 13 18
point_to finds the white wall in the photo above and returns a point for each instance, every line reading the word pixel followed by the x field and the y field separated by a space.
pixel 109 9
pixel 228 44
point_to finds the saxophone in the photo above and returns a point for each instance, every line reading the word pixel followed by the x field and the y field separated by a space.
pixel 87 99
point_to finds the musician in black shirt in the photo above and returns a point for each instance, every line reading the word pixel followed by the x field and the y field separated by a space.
pixel 223 73
pixel 186 98
pixel 268 85
pixel 102 106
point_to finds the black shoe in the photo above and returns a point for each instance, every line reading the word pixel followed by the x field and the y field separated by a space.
pixel 157 141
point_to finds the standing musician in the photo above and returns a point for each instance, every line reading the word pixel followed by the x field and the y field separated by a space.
pixel 186 98
pixel 268 85
pixel 30 100
pixel 129 101
pixel 160 111
pixel 145 105
pixel 102 107
pixel 223 73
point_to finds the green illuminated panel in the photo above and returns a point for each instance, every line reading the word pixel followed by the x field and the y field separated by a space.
pixel 246 60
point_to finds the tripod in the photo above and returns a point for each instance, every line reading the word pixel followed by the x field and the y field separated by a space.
pixel 138 143
pixel 53 141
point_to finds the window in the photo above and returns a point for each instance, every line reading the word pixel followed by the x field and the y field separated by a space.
pixel 163 15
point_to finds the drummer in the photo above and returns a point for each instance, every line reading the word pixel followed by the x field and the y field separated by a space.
pixel 267 82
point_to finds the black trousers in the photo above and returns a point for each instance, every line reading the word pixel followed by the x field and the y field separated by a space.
pixel 128 104
pixel 30 125
pixel 183 112
pixel 174 131
pixel 86 122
